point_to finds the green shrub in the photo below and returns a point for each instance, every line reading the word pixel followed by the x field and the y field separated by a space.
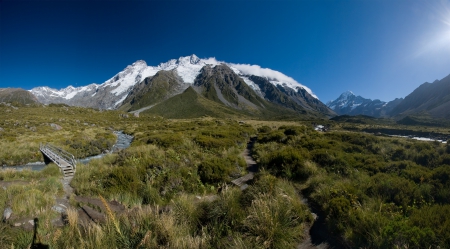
pixel 401 234
pixel 289 163
pixel 338 208
pixel 393 189
pixel 215 170
pixel 274 136
pixel 293 130
pixel 264 129
pixel 214 143
pixel 275 222
pixel 123 179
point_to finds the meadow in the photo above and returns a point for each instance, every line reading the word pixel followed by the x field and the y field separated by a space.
pixel 174 183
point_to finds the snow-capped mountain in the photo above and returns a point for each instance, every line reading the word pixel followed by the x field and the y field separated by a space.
pixel 111 93
pixel 350 104
pixel 347 102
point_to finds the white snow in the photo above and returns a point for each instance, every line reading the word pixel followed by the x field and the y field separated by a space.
pixel 250 83
pixel 120 100
pixel 354 106
pixel 70 95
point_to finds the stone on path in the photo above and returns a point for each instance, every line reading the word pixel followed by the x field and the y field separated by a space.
pixel 7 213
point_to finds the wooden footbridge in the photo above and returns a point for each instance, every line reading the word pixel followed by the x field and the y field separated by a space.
pixel 65 161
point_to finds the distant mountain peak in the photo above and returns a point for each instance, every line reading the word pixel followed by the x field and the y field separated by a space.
pixel 347 94
pixel 139 63
pixel 186 60
pixel 350 104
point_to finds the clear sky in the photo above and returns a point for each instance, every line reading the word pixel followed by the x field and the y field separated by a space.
pixel 379 49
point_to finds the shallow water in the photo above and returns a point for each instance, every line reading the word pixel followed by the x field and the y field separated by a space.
pixel 421 138
pixel 123 142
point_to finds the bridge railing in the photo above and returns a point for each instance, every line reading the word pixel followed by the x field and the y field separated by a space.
pixel 61 153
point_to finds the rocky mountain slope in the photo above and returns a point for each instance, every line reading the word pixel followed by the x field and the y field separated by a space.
pixel 297 99
pixel 350 104
pixel 17 95
pixel 428 99
pixel 217 91
pixel 154 89
pixel 140 85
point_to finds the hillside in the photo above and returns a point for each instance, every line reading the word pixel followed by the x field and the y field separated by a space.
pixel 297 100
pixel 153 90
pixel 17 95
pixel 190 104
pixel 428 98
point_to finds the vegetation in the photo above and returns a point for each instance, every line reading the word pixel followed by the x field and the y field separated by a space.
pixel 376 192
pixel 83 132
pixel 174 183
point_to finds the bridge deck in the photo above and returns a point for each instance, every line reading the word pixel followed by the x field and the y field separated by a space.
pixel 63 159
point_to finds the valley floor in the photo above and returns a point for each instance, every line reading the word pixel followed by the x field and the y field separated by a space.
pixel 172 188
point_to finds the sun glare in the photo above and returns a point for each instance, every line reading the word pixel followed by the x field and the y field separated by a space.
pixel 439 42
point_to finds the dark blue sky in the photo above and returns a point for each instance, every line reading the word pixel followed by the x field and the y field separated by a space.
pixel 378 49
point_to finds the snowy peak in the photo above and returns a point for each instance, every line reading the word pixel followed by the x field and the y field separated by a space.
pixel 193 59
pixel 347 95
pixel 350 104
pixel 347 100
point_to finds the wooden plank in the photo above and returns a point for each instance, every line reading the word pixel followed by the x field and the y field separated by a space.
pixel 241 180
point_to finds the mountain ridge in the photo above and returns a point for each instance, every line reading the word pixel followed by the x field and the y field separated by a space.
pixel 113 92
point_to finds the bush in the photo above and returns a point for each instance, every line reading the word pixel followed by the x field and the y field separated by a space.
pixel 338 208
pixel 123 180
pixel 400 234
pixel 289 163
pixel 264 129
pixel 293 130
pixel 215 170
pixel 274 136
pixel 214 143
pixel 275 221
pixel 393 189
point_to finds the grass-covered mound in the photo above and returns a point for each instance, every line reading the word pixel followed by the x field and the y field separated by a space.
pixel 190 104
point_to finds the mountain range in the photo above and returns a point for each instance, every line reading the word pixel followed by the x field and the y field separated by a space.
pixel 350 104
pixel 428 100
pixel 248 89
pixel 191 87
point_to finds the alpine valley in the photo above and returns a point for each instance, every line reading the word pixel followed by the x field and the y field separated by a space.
pixel 191 87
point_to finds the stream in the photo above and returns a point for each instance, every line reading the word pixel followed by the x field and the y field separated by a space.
pixel 123 142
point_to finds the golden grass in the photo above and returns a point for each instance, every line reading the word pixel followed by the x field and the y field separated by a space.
pixel 72 216
pixel 110 214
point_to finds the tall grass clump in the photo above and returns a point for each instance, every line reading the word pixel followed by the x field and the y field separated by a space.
pixel 275 222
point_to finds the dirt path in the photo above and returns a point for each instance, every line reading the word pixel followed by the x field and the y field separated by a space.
pixel 251 164
pixel 317 235
pixel 252 167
